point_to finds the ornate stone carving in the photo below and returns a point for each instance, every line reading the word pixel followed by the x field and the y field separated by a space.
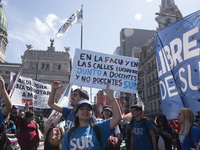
pixel 29 46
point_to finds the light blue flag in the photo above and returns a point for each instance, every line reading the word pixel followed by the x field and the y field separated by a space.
pixel 177 49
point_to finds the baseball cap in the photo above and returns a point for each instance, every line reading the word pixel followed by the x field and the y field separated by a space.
pixel 107 107
pixel 14 106
pixel 84 101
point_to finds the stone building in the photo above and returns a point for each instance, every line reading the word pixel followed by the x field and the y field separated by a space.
pixel 47 65
pixel 41 65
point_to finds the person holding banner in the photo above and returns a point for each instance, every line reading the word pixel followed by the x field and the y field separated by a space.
pixel 67 112
pixel 190 132
pixel 84 133
pixel 4 111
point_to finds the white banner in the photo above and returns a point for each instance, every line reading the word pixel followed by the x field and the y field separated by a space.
pixel 93 69
pixel 31 91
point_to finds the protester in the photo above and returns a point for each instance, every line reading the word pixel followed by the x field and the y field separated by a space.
pixel 164 132
pixel 14 116
pixel 76 96
pixel 126 135
pixel 10 133
pixel 190 133
pixel 139 136
pixel 83 136
pixel 28 138
pixel 176 129
pixel 14 113
pixel 4 111
pixel 106 114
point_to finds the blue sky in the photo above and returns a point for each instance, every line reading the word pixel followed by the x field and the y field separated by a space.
pixel 36 22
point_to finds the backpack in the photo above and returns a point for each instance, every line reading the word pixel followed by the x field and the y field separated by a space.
pixel 55 136
pixel 94 127
pixel 145 126
pixel 191 128
pixel 3 138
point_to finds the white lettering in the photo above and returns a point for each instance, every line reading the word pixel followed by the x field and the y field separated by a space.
pixel 79 141
pixel 163 70
pixel 73 144
pixel 159 71
pixel 190 78
pixel 164 90
pixel 88 139
pixel 188 45
pixel 182 79
pixel 170 88
pixel 168 55
pixel 138 131
pixel 176 55
pixel 82 143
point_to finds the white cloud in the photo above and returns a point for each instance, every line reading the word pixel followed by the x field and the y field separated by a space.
pixel 50 20
pixel 149 1
pixel 4 2
pixel 138 16
pixel 42 27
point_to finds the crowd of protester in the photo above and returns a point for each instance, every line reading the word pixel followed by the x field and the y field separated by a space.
pixel 83 131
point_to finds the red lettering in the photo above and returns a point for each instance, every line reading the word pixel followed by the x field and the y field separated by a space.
pixel 29 101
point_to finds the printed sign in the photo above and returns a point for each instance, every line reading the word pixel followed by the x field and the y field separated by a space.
pixel 35 93
pixel 93 69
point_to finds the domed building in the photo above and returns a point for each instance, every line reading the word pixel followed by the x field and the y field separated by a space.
pixel 3 34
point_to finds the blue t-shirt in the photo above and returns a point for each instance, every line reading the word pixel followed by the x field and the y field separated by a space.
pixel 85 138
pixel 1 117
pixel 69 122
pixel 141 140
pixel 188 143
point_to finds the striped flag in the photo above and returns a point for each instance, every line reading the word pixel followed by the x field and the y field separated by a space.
pixel 55 116
pixel 77 17
pixel 13 79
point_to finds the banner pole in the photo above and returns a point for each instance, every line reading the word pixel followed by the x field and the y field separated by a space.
pixel 82 35
pixel 13 87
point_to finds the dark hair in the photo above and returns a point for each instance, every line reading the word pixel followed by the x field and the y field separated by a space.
pixel 82 93
pixel 29 113
pixel 137 107
pixel 107 107
pixel 165 122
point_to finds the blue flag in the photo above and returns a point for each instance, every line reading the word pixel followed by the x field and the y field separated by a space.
pixel 177 49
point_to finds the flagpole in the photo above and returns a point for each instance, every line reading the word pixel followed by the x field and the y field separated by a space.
pixel 82 33
pixel 17 77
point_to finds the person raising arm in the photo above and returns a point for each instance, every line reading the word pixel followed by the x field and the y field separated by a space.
pixel 7 101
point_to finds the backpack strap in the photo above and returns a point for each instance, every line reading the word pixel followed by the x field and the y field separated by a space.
pixel 94 127
pixel 144 123
pixel 191 128
pixel 64 117
pixel 71 130
pixel 97 132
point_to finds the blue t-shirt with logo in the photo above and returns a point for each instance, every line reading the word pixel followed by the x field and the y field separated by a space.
pixel 188 142
pixel 69 122
pixel 85 138
pixel 141 140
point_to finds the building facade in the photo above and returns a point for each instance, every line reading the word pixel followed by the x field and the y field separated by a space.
pixel 138 43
